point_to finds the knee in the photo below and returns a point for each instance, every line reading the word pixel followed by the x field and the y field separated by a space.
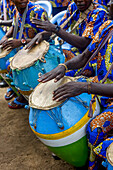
pixel 92 135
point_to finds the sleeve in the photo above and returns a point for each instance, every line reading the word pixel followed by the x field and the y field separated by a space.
pixel 100 150
pixel 95 20
pixel 39 13
pixel 102 32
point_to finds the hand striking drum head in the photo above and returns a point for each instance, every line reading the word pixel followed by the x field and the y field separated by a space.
pixel 42 96
pixel 3 53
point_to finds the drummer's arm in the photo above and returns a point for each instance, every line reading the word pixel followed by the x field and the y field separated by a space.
pixel 6 23
pixel 37 39
pixel 59 72
pixel 75 40
pixel 78 61
pixel 7 35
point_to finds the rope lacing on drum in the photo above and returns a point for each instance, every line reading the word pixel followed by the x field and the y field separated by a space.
pixel 26 82
pixel 54 114
pixel 34 118
pixel 84 103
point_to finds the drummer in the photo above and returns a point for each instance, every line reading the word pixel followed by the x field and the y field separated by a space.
pixel 22 15
pixel 83 33
pixel 97 129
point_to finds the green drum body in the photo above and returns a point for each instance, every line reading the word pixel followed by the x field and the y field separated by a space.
pixel 62 126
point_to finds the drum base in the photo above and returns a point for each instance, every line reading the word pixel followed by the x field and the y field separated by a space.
pixel 75 154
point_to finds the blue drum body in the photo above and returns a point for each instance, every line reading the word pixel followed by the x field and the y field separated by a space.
pixel 110 167
pixel 63 128
pixel 2 33
pixel 25 80
pixel 4 59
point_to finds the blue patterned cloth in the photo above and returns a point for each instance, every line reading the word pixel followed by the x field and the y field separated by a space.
pixel 98 127
pixel 104 58
pixel 30 29
pixel 9 5
pixel 89 27
pixel 102 2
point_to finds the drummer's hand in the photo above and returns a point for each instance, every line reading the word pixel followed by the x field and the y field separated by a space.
pixel 36 40
pixel 11 44
pixel 70 89
pixel 56 73
pixel 45 25
pixel 3 40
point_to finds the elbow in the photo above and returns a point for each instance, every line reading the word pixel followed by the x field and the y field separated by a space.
pixel 84 43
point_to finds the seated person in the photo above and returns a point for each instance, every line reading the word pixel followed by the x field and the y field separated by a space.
pixel 22 31
pixel 98 127
pixel 86 27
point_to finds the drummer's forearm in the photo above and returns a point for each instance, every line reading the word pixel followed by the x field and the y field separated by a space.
pixel 9 33
pixel 6 23
pixel 100 89
pixel 46 35
pixel 78 61
pixel 76 41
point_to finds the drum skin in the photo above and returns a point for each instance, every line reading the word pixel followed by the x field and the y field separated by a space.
pixel 63 129
pixel 4 59
pixel 25 80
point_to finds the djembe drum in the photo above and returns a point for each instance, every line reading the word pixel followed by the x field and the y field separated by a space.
pixel 61 126
pixel 27 65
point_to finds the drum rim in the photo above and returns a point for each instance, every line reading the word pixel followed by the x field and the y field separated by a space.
pixel 5 52
pixel 32 63
pixel 82 122
pixel 50 106
pixel 107 154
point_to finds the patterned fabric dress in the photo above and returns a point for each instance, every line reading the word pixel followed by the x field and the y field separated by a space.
pixel 9 5
pixel 30 29
pixel 88 28
pixel 97 129
pixel 102 2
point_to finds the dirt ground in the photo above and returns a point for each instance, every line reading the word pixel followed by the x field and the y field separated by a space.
pixel 19 147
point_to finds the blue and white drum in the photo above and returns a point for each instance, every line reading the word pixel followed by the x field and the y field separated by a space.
pixel 61 126
pixel 27 65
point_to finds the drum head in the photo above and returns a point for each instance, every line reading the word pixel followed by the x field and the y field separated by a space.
pixel 109 154
pixel 26 58
pixel 41 98
pixel 3 53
